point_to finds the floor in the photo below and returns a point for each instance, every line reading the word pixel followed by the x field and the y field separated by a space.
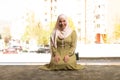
pixel 32 72
pixel 95 69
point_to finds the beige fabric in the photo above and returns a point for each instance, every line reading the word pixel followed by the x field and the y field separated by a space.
pixel 58 33
pixel 61 34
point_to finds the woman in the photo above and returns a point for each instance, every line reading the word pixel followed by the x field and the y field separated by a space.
pixel 63 44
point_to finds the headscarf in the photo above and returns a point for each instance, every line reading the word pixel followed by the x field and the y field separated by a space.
pixel 58 33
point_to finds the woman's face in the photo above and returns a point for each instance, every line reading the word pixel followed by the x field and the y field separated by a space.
pixel 62 23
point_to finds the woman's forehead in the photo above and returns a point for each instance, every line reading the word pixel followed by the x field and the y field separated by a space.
pixel 62 17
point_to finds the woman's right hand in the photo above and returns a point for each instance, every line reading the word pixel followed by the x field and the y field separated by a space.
pixel 57 58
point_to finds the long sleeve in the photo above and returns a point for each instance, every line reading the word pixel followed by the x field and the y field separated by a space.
pixel 53 49
pixel 73 43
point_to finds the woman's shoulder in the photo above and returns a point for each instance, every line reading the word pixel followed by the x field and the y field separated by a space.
pixel 73 31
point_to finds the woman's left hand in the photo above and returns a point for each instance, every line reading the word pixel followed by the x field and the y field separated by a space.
pixel 66 58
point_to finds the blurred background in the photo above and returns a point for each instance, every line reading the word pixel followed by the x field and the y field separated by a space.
pixel 26 25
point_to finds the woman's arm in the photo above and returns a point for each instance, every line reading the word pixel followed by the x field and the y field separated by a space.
pixel 53 49
pixel 73 43
pixel 55 53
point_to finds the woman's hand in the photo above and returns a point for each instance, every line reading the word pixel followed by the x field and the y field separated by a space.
pixel 57 58
pixel 66 58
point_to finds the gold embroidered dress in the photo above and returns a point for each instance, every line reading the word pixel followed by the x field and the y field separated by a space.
pixel 65 46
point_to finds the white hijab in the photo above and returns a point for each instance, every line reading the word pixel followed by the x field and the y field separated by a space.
pixel 58 33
